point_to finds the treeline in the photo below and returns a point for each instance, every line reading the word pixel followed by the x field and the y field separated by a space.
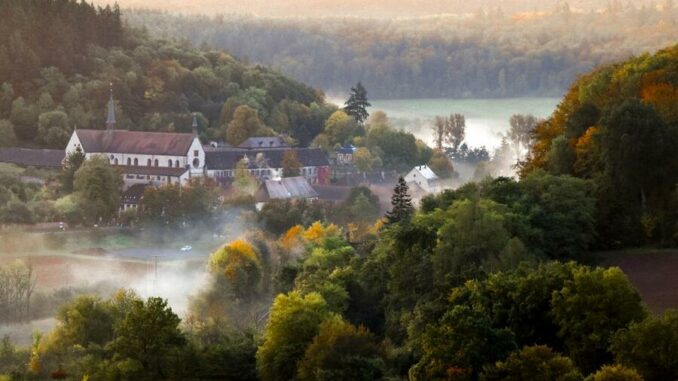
pixel 478 284
pixel 50 86
pixel 483 54
pixel 618 127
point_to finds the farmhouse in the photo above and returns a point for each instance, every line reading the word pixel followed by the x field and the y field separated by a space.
pixel 423 177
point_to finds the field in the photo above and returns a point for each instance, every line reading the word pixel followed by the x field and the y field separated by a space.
pixel 654 273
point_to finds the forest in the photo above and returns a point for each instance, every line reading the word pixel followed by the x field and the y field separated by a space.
pixel 481 53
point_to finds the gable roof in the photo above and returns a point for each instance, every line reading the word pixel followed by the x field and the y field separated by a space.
pixel 135 142
pixel 264 142
pixel 289 188
pixel 426 172
pixel 228 158
pixel 32 157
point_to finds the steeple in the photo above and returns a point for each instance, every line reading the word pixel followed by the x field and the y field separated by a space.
pixel 194 125
pixel 110 119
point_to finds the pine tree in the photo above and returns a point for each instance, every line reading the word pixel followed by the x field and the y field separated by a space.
pixel 357 103
pixel 401 202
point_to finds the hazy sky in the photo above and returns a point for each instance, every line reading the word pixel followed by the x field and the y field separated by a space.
pixel 357 8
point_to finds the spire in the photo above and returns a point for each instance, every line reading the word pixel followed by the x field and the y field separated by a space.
pixel 194 125
pixel 110 119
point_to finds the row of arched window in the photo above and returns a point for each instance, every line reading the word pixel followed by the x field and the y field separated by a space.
pixel 155 162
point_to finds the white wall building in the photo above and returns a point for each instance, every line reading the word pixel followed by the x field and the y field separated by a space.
pixel 424 177
pixel 152 158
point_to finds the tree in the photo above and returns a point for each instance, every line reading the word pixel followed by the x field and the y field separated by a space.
pixel 7 136
pixel 54 128
pixel 649 347
pixel 290 164
pixel 440 164
pixel 535 363
pixel 401 203
pixel 239 266
pixel 616 373
pixel 357 103
pixel 339 128
pixel 25 119
pixel 72 163
pixel 293 324
pixel 342 352
pixel 439 130
pixel 244 182
pixel 520 132
pixel 245 124
pixel 98 187
pixel 459 345
pixel 590 309
pixel 148 340
pixel 561 157
pixel 363 160
pixel 455 131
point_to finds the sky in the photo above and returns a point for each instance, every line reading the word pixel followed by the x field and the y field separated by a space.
pixel 358 8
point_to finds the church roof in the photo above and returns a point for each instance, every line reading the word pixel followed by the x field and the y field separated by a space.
pixel 32 157
pixel 228 158
pixel 426 172
pixel 135 142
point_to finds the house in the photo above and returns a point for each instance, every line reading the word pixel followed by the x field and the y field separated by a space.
pixel 287 188
pixel 29 157
pixel 264 142
pixel 423 177
pixel 266 164
pixel 345 155
pixel 150 158
pixel 131 198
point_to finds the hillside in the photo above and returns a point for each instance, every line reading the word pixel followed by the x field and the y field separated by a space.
pixel 618 126
pixel 484 54
pixel 59 60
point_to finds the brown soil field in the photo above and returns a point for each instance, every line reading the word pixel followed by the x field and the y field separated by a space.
pixel 654 273
pixel 55 271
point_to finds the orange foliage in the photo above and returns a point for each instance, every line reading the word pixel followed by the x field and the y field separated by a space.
pixel 587 151
pixel 664 97
pixel 317 232
pixel 292 237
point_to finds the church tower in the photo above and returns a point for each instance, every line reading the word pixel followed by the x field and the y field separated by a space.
pixel 110 118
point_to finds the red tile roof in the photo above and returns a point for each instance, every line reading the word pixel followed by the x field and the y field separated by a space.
pixel 135 142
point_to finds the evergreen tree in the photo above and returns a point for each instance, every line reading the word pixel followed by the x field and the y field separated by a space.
pixel 402 203
pixel 357 103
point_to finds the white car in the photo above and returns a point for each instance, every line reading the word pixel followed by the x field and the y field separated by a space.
pixel 186 248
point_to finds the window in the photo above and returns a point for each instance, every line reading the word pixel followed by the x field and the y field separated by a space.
pixel 129 161
pixel 196 162
pixel 195 153
pixel 116 161
pixel 148 162
pixel 136 162
pixel 156 162
pixel 177 164
pixel 169 163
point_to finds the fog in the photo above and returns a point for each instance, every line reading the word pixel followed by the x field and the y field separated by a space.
pixel 356 8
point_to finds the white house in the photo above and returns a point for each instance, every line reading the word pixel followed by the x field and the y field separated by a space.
pixel 424 178
pixel 151 158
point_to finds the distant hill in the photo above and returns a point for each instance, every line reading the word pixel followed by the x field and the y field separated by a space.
pixel 60 59
pixel 483 55
pixel 362 8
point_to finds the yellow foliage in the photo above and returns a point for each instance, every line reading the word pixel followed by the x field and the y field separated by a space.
pixel 317 232
pixel 292 237
pixel 231 257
